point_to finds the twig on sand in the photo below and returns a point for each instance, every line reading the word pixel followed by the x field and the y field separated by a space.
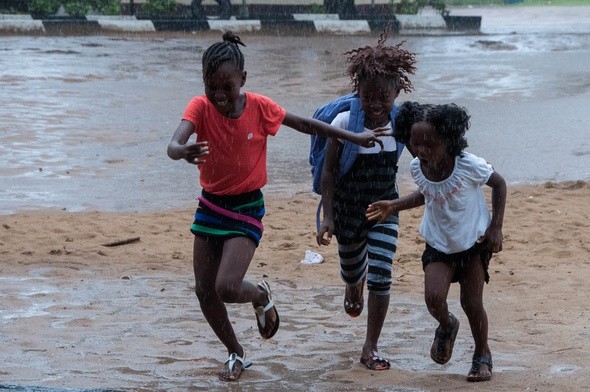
pixel 122 242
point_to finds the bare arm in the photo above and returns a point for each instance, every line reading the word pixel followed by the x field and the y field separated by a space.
pixel 315 127
pixel 179 149
pixel 381 210
pixel 493 236
pixel 324 234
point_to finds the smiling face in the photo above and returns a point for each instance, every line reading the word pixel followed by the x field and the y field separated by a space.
pixel 377 96
pixel 222 88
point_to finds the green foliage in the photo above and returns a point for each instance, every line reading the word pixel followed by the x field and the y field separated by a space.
pixel 76 7
pixel 43 8
pixel 410 7
pixel 106 7
pixel 159 7
pixel 315 8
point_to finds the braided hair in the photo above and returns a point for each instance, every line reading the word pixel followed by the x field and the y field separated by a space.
pixel 391 62
pixel 220 52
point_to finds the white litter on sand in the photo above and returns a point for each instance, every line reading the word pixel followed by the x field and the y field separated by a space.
pixel 312 257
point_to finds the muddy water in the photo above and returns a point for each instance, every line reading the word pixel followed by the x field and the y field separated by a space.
pixel 85 120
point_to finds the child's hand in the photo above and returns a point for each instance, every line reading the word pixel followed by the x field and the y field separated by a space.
pixel 324 234
pixel 368 139
pixel 193 152
pixel 492 239
pixel 383 131
pixel 380 210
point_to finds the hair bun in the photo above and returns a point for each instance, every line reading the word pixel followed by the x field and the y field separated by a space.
pixel 230 36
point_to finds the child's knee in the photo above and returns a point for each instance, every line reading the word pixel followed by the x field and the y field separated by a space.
pixel 379 288
pixel 202 289
pixel 434 299
pixel 226 291
pixel 471 304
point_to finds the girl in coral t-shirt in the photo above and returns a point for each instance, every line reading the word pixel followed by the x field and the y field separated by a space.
pixel 232 128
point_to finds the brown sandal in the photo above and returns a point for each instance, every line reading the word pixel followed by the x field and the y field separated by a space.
pixel 442 346
pixel 354 308
pixel 476 374
pixel 376 363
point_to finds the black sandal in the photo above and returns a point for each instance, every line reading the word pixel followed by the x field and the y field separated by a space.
pixel 442 346
pixel 475 374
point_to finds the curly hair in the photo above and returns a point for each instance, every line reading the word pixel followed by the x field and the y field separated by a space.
pixel 219 52
pixel 388 61
pixel 449 121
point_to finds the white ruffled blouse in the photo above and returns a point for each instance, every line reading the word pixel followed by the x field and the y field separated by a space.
pixel 456 212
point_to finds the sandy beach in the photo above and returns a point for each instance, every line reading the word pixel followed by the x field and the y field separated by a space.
pixel 85 123
pixel 76 313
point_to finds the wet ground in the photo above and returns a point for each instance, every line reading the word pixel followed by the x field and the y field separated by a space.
pixel 85 120
pixel 84 126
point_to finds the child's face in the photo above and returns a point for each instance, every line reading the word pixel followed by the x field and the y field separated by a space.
pixel 222 88
pixel 428 146
pixel 377 96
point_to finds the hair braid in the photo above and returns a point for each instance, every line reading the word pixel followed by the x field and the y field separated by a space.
pixel 219 52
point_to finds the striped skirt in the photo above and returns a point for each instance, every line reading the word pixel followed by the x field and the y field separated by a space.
pixel 230 216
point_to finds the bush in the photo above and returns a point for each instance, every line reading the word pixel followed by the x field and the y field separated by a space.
pixel 43 8
pixel 106 7
pixel 76 7
pixel 159 7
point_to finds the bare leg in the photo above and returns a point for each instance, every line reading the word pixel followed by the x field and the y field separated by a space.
pixel 472 303
pixel 219 268
pixel 377 310
pixel 437 280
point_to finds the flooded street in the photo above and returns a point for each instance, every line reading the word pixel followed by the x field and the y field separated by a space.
pixel 86 120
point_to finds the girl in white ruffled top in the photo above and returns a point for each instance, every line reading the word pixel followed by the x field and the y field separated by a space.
pixel 459 231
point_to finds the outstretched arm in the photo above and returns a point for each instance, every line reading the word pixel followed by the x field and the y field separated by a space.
pixel 493 237
pixel 315 127
pixel 179 149
pixel 381 210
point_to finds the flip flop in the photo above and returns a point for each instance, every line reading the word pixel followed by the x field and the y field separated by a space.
pixel 376 363
pixel 261 312
pixel 231 363
pixel 354 308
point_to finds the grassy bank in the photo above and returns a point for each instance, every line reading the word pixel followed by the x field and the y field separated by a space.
pixel 522 3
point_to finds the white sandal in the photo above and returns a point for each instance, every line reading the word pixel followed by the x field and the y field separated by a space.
pixel 261 313
pixel 233 358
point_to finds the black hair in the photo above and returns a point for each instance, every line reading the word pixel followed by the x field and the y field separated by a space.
pixel 219 52
pixel 449 121
pixel 407 114
pixel 391 62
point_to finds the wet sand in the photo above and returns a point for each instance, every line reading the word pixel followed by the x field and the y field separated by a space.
pixel 84 131
pixel 79 314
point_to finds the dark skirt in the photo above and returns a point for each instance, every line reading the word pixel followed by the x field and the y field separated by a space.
pixel 458 260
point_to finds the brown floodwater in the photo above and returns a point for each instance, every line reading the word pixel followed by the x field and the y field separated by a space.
pixel 85 120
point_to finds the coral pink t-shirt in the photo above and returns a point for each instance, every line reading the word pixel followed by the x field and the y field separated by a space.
pixel 237 147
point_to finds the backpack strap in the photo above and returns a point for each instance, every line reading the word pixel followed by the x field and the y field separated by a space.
pixel 356 124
